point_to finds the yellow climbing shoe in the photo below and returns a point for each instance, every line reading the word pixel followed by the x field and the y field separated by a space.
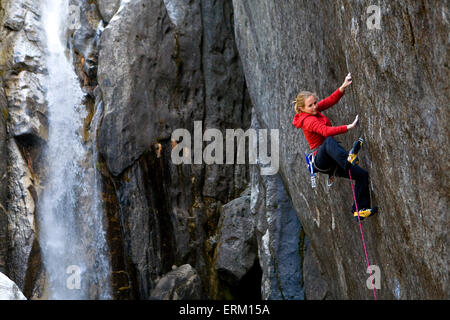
pixel 365 213
pixel 353 159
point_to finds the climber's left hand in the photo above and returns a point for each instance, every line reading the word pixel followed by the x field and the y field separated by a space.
pixel 347 82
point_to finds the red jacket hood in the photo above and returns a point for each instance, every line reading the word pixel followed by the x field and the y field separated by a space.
pixel 299 118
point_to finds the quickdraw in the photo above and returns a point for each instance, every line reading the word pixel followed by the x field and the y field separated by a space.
pixel 310 165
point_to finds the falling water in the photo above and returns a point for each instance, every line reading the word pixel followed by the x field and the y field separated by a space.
pixel 71 219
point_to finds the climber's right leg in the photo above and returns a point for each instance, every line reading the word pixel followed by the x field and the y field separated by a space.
pixel 330 153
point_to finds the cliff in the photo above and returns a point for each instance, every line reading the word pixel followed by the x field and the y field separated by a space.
pixel 191 231
pixel 400 91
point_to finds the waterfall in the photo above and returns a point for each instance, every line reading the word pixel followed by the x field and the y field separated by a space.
pixel 71 218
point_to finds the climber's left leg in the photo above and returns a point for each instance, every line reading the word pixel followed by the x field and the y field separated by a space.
pixel 361 177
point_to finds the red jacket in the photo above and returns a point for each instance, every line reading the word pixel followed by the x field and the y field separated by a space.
pixel 317 128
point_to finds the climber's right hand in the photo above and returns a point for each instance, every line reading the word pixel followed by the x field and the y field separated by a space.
pixel 354 124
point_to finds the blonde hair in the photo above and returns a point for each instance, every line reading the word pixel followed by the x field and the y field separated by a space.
pixel 299 102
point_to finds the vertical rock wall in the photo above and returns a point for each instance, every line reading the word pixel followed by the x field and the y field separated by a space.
pixel 400 91
pixel 3 186
pixel 279 234
pixel 159 65
pixel 163 65
pixel 23 111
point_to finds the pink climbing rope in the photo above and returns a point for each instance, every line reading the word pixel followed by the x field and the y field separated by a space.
pixel 362 235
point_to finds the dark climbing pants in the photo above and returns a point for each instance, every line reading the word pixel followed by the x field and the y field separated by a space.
pixel 332 156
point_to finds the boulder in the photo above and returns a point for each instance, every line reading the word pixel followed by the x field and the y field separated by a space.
pixel 182 283
pixel 27 105
pixel 237 247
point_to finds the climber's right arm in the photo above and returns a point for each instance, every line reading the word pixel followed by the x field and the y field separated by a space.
pixel 318 127
pixel 353 124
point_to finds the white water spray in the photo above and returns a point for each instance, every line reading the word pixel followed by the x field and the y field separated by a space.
pixel 72 236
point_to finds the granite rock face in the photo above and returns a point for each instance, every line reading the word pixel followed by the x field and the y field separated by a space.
pixel 279 235
pixel 23 68
pixel 163 65
pixel 315 286
pixel 3 187
pixel 23 130
pixel 400 91
pixel 160 65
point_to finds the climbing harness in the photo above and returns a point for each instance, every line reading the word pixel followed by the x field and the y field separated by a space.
pixel 362 234
pixel 310 164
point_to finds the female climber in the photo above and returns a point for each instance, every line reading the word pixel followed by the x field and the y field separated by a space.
pixel 329 156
